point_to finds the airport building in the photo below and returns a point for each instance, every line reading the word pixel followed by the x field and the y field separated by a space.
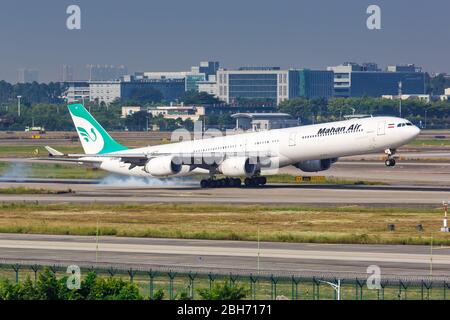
pixel 311 84
pixel 272 85
pixel 266 84
pixel 110 91
pixel 77 91
pixel 171 111
pixel 355 80
pixel 263 121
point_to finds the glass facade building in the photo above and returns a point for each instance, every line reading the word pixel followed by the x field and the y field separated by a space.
pixel 311 84
pixel 354 80
pixel 171 89
pixel 253 86
pixel 376 84
pixel 266 84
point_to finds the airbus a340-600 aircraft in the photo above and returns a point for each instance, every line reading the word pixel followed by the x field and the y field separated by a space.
pixel 310 148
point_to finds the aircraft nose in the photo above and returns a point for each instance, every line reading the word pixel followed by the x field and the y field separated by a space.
pixel 415 131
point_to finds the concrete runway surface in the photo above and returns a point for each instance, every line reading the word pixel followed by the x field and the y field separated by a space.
pixel 226 256
pixel 85 191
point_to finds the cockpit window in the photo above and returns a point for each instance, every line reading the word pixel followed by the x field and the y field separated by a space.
pixel 409 124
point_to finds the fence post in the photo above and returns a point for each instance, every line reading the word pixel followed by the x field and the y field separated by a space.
pixel 295 283
pixel 359 288
pixel 112 272
pixel 233 279
pixel 405 287
pixel 131 273
pixel 151 276
pixel 53 269
pixel 383 285
pixel 171 277
pixel 445 289
pixel 426 286
pixel 211 278
pixel 192 277
pixel 253 281
pixel 16 267
pixel 273 287
pixel 35 269
pixel 316 289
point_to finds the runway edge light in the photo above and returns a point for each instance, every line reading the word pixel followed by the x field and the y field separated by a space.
pixel 445 227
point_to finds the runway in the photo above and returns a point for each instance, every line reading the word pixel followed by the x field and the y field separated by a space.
pixel 188 191
pixel 225 256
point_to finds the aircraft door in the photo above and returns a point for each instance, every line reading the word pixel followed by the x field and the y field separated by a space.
pixel 381 131
pixel 292 139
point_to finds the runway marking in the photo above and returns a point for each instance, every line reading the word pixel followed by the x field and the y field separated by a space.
pixel 227 251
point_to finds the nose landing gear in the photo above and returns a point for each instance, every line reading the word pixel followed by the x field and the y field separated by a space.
pixel 390 160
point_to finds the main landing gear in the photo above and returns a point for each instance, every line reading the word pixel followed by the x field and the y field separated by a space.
pixel 255 181
pixel 232 182
pixel 221 183
pixel 390 161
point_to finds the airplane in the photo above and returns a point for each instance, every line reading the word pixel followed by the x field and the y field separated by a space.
pixel 310 148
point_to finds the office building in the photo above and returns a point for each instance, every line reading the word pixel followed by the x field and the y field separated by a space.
pixel 311 84
pixel 355 80
pixel 271 84
pixel 67 74
pixel 210 86
pixel 208 68
pixel 263 121
pixel 105 91
pixel 106 72
pixel 25 75
pixel 77 91
pixel 110 91
pixel 265 84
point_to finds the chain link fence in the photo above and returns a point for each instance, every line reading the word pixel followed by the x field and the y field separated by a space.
pixel 302 286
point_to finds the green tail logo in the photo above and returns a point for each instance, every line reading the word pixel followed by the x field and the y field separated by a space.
pixel 94 139
pixel 86 136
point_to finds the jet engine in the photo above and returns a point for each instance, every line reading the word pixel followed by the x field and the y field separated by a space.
pixel 239 166
pixel 315 165
pixel 163 166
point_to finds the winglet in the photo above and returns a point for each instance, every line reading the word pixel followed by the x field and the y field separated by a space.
pixel 53 152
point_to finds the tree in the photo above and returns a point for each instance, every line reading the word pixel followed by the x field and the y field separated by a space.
pixel 48 287
pixel 137 121
pixel 145 95
pixel 193 97
pixel 224 291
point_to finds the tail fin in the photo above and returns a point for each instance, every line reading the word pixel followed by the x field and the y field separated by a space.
pixel 94 139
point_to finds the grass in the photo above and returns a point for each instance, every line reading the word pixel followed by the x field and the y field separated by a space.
pixel 287 178
pixel 46 170
pixel 233 222
pixel 24 151
pixel 430 143
pixel 23 190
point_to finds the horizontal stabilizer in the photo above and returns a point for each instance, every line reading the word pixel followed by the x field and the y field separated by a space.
pixel 53 152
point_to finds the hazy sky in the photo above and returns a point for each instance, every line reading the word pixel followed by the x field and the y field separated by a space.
pixel 156 35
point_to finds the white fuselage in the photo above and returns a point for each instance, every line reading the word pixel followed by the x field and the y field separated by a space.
pixel 291 145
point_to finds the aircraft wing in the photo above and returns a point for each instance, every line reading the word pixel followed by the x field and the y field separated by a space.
pixel 201 160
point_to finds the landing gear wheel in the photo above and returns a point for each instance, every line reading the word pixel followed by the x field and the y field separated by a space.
pixel 204 183
pixel 262 181
pixel 390 162
pixel 237 182
pixel 255 181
